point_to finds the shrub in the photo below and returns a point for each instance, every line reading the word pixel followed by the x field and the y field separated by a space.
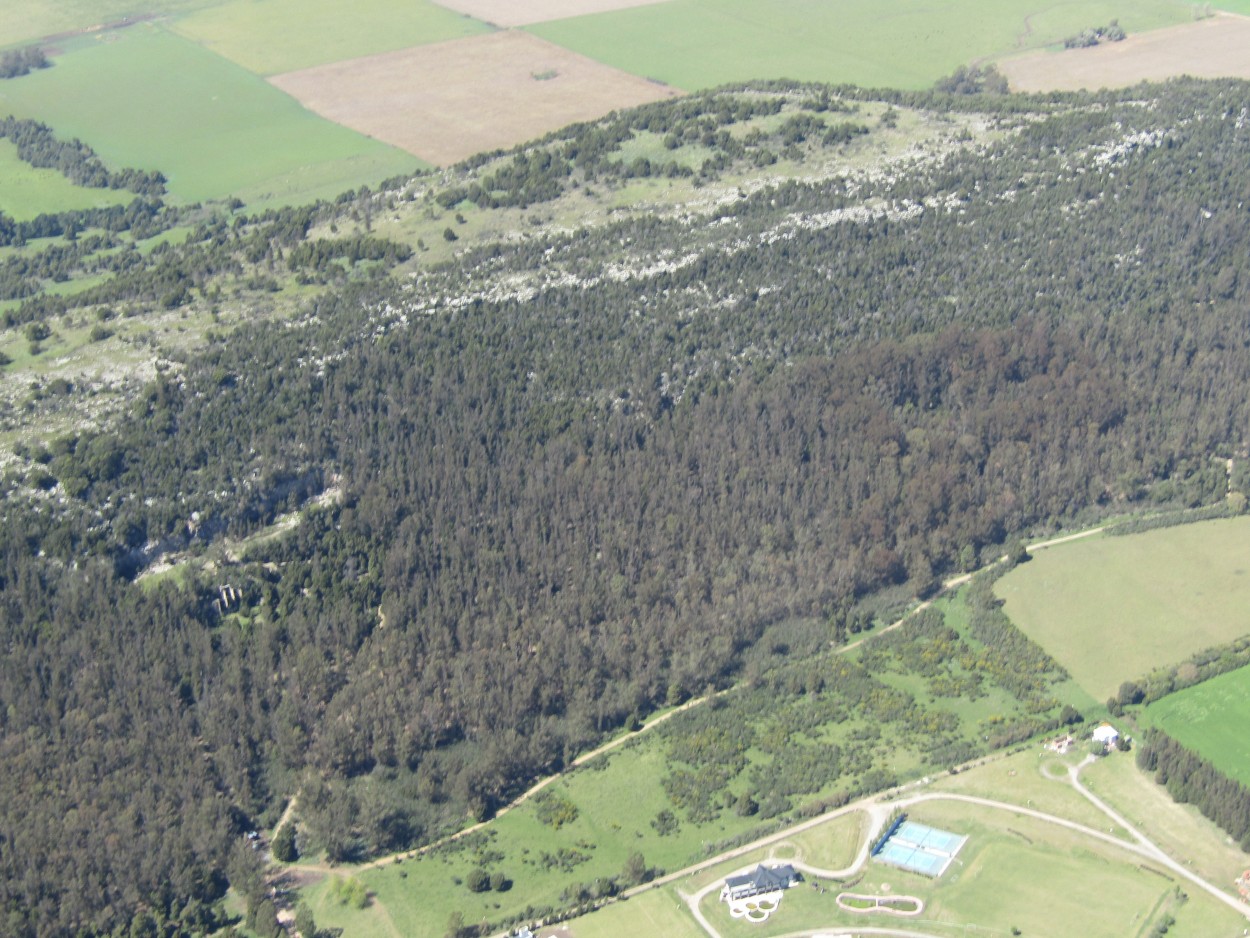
pixel 478 880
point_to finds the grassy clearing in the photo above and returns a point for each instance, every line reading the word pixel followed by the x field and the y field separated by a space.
pixel 694 44
pixel 284 35
pixel 830 846
pixel 144 97
pixel 26 192
pixel 1111 609
pixel 1210 718
pixel 1180 829
pixel 1033 778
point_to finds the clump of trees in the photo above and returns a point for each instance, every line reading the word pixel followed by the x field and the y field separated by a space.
pixel 1112 32
pixel 18 62
pixel 973 79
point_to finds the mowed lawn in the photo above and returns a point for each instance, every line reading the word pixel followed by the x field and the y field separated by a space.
pixel 144 97
pixel 693 44
pixel 26 192
pixel 1111 609
pixel 1211 719
pixel 279 36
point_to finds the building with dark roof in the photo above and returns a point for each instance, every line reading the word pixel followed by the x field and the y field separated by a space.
pixel 762 879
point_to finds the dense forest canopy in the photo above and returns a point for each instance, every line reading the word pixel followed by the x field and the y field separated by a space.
pixel 544 509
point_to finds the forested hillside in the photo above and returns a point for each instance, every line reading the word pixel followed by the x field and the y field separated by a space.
pixel 569 478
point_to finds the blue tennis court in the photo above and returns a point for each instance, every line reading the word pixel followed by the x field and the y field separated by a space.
pixel 929 838
pixel 920 848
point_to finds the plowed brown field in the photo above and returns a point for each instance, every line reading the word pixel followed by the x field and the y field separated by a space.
pixel 450 100
pixel 1218 47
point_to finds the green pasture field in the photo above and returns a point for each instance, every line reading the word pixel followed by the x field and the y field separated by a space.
pixel 146 98
pixel 1111 609
pixel 286 35
pixel 26 191
pixel 1211 719
pixel 694 44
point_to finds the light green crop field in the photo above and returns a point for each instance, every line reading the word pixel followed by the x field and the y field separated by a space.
pixel 1210 718
pixel 144 97
pixel 1111 609
pixel 695 44
pixel 26 192
pixel 285 35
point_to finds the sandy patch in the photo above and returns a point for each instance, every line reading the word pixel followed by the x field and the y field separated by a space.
pixel 1217 47
pixel 524 12
pixel 450 100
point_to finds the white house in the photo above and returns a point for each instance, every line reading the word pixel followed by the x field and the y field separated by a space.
pixel 1106 734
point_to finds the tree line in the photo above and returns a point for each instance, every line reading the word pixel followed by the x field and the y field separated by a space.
pixel 39 146
pixel 1191 779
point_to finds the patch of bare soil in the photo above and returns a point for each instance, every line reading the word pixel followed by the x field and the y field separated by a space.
pixel 523 12
pixel 1217 47
pixel 449 100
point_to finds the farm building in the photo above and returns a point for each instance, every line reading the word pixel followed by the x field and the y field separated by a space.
pixel 1106 734
pixel 763 879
